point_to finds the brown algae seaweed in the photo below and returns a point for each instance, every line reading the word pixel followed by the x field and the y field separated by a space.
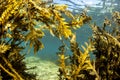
pixel 18 21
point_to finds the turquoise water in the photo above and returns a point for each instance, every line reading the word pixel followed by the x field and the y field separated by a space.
pixel 97 9
pixel 51 44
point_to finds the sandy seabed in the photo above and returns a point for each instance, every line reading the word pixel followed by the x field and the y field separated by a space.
pixel 45 70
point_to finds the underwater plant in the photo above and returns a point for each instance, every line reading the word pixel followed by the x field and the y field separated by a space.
pixel 104 44
pixel 107 48
pixel 22 24
pixel 79 66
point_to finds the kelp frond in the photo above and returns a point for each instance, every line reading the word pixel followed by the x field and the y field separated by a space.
pixel 81 60
pixel 79 63
pixel 12 9
pixel 107 48
pixel 4 48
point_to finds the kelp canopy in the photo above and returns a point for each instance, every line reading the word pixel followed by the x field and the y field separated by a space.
pixel 19 18
pixel 24 22
pixel 107 43
pixel 18 21
pixel 104 44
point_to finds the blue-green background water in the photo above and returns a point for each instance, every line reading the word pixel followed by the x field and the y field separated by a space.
pixel 97 9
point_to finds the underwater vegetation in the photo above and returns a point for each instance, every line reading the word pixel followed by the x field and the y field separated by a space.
pixel 18 21
pixel 104 44
pixel 107 44
pixel 22 24
pixel 79 67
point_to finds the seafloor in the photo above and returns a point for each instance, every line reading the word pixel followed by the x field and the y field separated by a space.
pixel 45 70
